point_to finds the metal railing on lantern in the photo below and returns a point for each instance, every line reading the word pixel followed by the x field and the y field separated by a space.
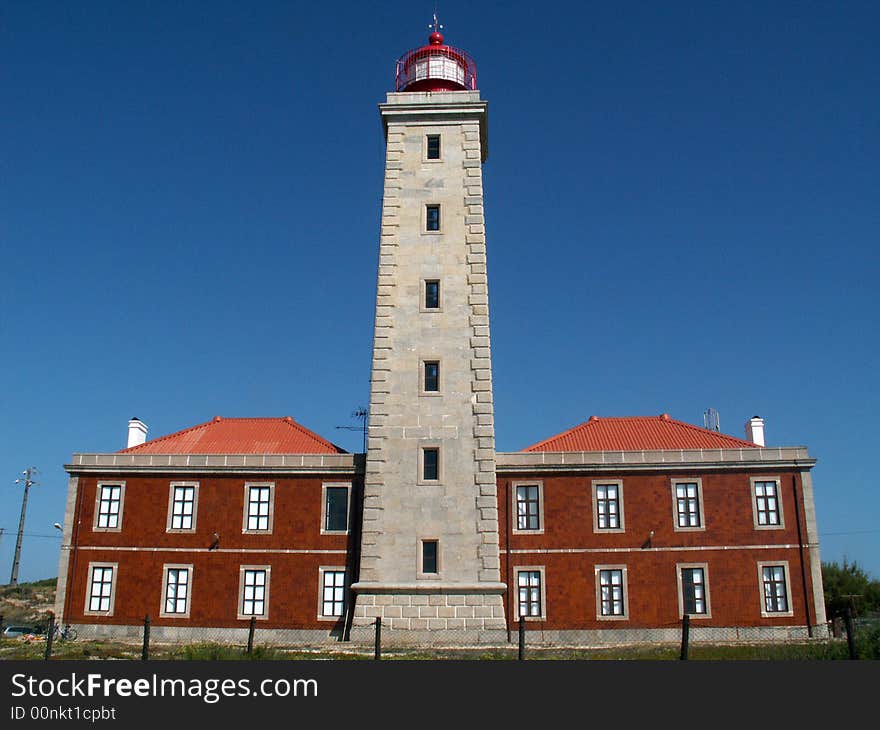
pixel 420 69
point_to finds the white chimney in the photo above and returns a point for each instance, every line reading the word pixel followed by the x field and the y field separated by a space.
pixel 755 430
pixel 137 432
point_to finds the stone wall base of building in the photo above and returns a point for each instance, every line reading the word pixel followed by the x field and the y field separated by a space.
pixel 397 633
pixel 429 615
pixel 206 634
pixel 705 634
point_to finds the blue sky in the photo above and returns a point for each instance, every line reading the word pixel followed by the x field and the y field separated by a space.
pixel 682 201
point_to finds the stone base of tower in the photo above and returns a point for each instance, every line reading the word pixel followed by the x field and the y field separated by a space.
pixel 438 615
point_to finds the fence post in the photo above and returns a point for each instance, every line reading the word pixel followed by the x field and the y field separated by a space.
pixel 145 652
pixel 50 631
pixel 522 639
pixel 377 649
pixel 251 629
pixel 850 634
pixel 685 635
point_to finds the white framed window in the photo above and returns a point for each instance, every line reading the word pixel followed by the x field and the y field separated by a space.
pixel 531 595
pixel 333 586
pixel 101 589
pixel 767 503
pixel 429 559
pixel 176 591
pixel 528 507
pixel 432 218
pixel 430 464
pixel 335 508
pixel 432 148
pixel 687 505
pixel 775 588
pixel 109 501
pixel 253 591
pixel 183 500
pixel 430 299
pixel 693 590
pixel 608 505
pixel 429 376
pixel 611 593
pixel 259 507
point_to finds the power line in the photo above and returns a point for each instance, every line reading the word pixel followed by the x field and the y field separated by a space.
pixel 32 534
pixel 853 532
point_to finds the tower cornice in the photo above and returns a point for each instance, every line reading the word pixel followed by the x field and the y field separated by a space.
pixel 432 107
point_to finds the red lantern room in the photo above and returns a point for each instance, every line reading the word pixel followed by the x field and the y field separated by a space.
pixel 435 67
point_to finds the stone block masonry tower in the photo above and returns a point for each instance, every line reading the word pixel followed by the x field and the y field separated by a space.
pixel 429 565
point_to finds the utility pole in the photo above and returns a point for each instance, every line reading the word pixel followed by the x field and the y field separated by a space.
pixel 28 483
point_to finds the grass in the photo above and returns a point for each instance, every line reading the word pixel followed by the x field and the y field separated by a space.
pixel 27 603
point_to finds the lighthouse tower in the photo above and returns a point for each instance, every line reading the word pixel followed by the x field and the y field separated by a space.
pixel 429 565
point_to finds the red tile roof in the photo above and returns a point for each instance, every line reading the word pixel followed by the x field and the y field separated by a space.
pixel 638 433
pixel 240 436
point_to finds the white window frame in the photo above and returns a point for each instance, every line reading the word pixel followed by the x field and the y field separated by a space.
pixel 421 466
pixel 98 492
pixel 430 393
pixel 514 507
pixel 423 294
pixel 624 587
pixel 195 509
pixel 247 502
pixel 242 571
pixel 774 564
pixel 621 526
pixel 779 509
pixel 345 599
pixel 114 567
pixel 430 204
pixel 339 485
pixel 425 157
pixel 679 567
pixel 688 480
pixel 529 569
pixel 420 574
pixel 163 613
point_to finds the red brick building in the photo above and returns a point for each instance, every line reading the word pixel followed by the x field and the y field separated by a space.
pixel 600 540
pixel 207 527
pixel 626 523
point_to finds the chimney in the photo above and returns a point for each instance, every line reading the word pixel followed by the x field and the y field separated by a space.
pixel 755 430
pixel 137 432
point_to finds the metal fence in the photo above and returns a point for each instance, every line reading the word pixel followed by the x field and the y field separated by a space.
pixel 524 639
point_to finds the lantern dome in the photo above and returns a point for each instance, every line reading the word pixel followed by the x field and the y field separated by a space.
pixel 435 67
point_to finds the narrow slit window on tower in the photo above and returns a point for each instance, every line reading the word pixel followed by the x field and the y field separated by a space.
pixel 432 294
pixel 431 464
pixel 429 556
pixel 432 217
pixel 432 376
pixel 433 147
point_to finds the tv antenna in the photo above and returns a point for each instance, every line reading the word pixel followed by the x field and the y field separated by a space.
pixel 361 414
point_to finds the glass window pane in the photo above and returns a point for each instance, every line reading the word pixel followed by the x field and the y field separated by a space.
pixel 336 509
pixel 432 294
pixel 431 459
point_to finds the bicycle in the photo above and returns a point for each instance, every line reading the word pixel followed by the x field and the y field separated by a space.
pixel 66 633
